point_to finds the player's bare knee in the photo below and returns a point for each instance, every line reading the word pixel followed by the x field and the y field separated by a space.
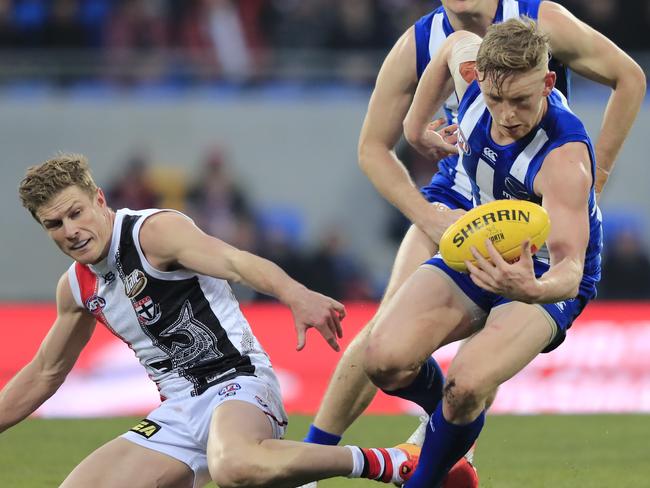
pixel 386 369
pixel 462 397
pixel 234 470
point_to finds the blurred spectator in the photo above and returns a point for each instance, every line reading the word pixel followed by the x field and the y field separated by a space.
pixel 626 268
pixel 133 189
pixel 301 24
pixel 280 235
pixel 64 30
pixel 215 36
pixel 335 272
pixel 30 17
pixel 218 205
pixel 136 35
pixel 8 29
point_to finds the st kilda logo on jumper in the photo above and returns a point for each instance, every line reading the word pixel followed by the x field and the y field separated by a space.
pixel 134 283
pixel 148 311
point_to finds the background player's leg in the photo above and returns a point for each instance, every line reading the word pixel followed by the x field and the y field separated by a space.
pixel 121 463
pixel 242 452
pixel 350 391
pixel 513 336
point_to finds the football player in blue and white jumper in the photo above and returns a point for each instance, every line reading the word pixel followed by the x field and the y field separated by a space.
pixel 518 139
pixel 574 45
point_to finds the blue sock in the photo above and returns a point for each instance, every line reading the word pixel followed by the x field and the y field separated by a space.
pixel 317 436
pixel 444 444
pixel 426 388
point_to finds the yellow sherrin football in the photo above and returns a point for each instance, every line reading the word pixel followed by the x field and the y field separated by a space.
pixel 507 223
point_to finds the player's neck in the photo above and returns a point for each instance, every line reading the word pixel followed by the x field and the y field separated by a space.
pixel 110 222
pixel 476 22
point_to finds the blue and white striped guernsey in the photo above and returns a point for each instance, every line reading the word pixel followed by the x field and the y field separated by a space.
pixel 507 172
pixel 430 33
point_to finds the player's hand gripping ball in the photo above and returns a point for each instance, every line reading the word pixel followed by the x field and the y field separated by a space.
pixel 507 223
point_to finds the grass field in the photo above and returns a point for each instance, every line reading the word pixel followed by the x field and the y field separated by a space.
pixel 514 452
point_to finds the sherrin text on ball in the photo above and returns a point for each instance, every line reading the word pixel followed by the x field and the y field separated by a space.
pixel 507 223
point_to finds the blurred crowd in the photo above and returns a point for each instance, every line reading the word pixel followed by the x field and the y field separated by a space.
pixel 221 207
pixel 244 39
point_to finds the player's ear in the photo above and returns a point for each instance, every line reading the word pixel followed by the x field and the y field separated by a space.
pixel 549 82
pixel 101 198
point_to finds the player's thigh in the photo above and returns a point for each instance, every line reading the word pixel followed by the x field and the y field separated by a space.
pixel 236 430
pixel 415 249
pixel 121 463
pixel 424 312
pixel 514 334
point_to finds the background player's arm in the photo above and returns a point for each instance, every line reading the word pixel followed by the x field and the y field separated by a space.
pixel 40 379
pixel 382 129
pixel 440 79
pixel 592 55
pixel 170 240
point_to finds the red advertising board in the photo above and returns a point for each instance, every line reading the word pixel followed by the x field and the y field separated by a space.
pixel 604 365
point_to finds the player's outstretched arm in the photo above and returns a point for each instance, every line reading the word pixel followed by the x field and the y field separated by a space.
pixel 592 55
pixel 382 128
pixel 171 241
pixel 58 352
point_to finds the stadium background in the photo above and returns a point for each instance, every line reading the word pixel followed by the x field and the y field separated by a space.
pixel 245 114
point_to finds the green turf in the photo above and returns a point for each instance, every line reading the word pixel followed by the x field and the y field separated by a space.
pixel 514 452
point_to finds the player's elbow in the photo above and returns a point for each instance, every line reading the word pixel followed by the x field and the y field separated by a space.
pixel 411 131
pixel 634 80
pixel 368 153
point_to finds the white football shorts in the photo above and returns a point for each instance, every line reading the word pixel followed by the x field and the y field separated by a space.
pixel 179 427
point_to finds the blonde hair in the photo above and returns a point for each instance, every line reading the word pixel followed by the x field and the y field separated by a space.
pixel 512 47
pixel 42 182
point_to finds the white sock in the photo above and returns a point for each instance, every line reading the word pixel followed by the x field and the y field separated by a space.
pixel 357 462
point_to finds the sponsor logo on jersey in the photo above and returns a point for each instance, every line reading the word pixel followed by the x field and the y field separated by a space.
pixel 463 145
pixel 109 278
pixel 512 215
pixel 230 389
pixel 95 304
pixel 148 311
pixel 134 283
pixel 490 154
pixel 146 428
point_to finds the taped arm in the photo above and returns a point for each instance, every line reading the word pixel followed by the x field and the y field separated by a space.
pixel 451 70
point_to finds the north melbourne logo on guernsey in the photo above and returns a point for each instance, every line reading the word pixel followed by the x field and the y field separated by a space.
pixel 463 144
pixel 148 311
pixel 134 283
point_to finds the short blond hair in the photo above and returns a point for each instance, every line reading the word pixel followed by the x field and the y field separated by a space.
pixel 512 47
pixel 42 182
